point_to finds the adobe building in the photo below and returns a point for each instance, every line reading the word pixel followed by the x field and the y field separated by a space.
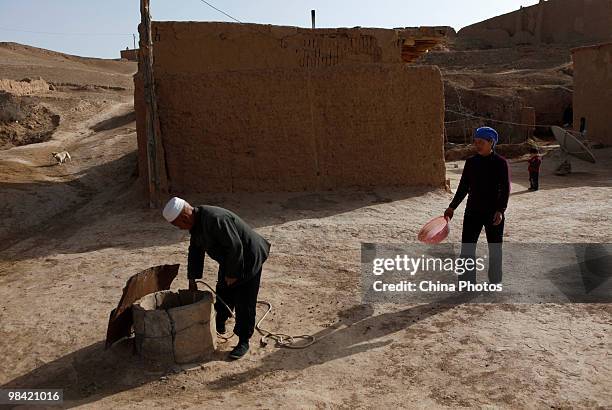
pixel 247 107
pixel 552 21
pixel 130 54
pixel 593 91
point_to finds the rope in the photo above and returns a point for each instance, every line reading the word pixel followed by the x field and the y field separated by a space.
pixel 280 339
pixel 454 121
pixel 493 120
pixel 221 11
pixel 249 26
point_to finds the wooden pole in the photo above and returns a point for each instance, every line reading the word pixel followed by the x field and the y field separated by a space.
pixel 155 154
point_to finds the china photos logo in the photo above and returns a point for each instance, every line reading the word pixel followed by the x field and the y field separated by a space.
pixel 407 265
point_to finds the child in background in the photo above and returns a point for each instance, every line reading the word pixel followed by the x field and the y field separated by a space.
pixel 534 169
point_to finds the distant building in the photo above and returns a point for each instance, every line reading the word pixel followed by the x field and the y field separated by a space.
pixel 130 54
pixel 593 91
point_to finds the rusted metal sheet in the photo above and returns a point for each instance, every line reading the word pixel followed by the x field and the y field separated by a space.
pixel 148 281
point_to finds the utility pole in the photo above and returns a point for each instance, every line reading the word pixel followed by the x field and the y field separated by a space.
pixel 134 38
pixel 312 17
pixel 157 180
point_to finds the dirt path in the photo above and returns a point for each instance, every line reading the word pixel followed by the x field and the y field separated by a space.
pixel 71 235
pixel 38 191
pixel 58 285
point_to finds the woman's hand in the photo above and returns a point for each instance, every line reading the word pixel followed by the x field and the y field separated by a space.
pixel 448 214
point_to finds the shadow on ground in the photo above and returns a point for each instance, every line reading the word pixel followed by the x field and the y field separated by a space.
pixel 92 373
pixel 115 122
pixel 104 207
pixel 352 334
pixel 52 211
pixel 549 181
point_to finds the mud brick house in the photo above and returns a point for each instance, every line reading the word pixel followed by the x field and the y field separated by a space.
pixel 593 91
pixel 129 54
pixel 247 107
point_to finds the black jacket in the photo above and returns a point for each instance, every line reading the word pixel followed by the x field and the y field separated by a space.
pixel 487 182
pixel 238 249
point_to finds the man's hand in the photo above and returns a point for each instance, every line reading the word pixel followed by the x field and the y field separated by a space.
pixel 192 284
pixel 230 281
pixel 448 214
pixel 497 218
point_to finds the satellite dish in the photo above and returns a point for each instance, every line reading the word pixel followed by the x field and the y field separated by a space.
pixel 571 145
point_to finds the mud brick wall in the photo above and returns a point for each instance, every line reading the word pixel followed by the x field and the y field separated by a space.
pixel 552 21
pixel 194 47
pixel 292 110
pixel 593 91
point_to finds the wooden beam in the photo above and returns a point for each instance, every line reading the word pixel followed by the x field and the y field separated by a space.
pixel 157 180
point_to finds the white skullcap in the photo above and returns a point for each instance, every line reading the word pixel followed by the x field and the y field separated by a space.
pixel 173 209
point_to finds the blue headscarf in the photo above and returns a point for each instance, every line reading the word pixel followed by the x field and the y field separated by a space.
pixel 487 133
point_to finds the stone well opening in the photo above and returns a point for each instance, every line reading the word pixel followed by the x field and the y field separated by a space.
pixel 174 327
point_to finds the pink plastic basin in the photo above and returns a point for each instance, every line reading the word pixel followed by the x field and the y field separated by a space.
pixel 434 231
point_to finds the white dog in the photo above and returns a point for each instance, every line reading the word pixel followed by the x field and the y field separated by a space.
pixel 61 157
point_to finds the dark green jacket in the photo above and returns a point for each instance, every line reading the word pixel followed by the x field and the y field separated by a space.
pixel 238 249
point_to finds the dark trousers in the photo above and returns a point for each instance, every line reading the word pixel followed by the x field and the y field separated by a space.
pixel 533 179
pixel 472 226
pixel 242 298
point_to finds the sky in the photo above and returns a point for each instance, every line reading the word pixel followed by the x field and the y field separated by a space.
pixel 102 28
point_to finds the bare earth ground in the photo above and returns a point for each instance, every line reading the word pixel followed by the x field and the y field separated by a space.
pixel 498 83
pixel 71 235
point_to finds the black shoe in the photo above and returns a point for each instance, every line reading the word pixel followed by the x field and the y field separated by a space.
pixel 240 350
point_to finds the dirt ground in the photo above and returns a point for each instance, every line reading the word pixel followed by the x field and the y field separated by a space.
pixel 72 234
pixel 497 83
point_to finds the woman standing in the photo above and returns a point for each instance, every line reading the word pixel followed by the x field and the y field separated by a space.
pixel 486 182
